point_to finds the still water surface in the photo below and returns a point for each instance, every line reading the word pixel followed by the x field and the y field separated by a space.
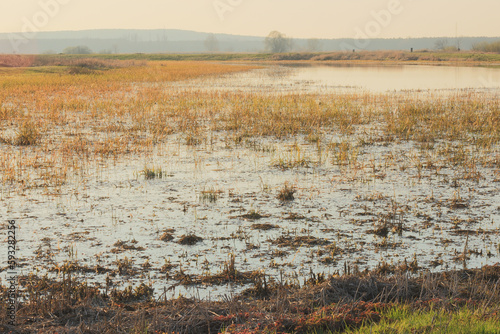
pixel 407 77
pixel 324 78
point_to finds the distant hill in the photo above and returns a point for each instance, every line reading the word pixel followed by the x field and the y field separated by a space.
pixel 183 41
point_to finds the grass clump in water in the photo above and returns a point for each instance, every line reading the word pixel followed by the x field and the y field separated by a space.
pixel 253 215
pixel 152 173
pixel 189 239
pixel 264 227
pixel 210 195
pixel 166 236
pixel 286 193
pixel 27 135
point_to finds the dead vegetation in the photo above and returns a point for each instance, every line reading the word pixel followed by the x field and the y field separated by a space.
pixel 286 193
pixel 121 246
pixel 298 241
pixel 264 226
pixel 189 239
pixel 66 306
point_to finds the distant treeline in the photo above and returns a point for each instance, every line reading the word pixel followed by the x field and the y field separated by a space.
pixel 487 47
pixel 88 63
pixel 179 41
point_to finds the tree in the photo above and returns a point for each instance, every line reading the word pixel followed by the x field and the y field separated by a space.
pixel 441 44
pixel 212 43
pixel 314 45
pixel 277 42
pixel 78 50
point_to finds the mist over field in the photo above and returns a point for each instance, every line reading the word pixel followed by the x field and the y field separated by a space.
pixel 180 41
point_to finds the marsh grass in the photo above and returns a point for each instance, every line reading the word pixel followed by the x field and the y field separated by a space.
pixel 107 120
pixel 286 193
pixel 344 153
pixel 27 135
pixel 123 110
pixel 126 110
pixel 151 173
pixel 210 195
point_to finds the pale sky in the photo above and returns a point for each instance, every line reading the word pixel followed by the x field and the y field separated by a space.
pixel 295 18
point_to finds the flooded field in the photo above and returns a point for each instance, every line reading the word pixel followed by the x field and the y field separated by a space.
pixel 356 78
pixel 201 186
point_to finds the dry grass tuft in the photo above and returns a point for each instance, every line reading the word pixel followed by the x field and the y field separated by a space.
pixel 286 193
pixel 27 135
pixel 189 239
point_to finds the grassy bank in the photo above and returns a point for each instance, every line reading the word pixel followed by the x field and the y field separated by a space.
pixel 377 56
pixel 420 56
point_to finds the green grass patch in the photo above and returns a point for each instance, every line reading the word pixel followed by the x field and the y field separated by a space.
pixel 404 319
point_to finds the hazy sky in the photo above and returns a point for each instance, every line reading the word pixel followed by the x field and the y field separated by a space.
pixel 295 18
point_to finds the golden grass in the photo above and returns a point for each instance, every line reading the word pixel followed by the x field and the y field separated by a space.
pixel 55 121
pixel 467 119
pixel 67 119
pixel 107 109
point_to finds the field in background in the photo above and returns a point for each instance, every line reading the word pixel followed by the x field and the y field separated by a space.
pixel 64 116
pixel 440 57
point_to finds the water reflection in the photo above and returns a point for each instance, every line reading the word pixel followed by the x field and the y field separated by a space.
pixel 400 77
pixel 334 78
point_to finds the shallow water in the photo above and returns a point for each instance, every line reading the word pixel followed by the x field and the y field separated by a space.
pixel 356 78
pixel 338 205
pixel 380 79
